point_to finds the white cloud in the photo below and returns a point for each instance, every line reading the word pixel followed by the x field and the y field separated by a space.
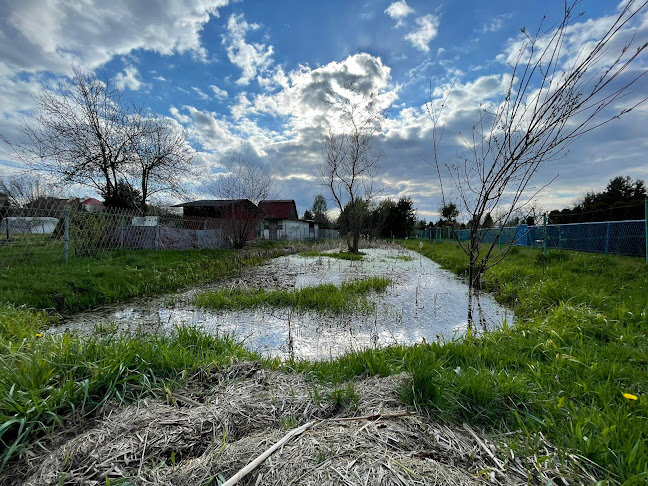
pixel 428 27
pixel 179 116
pixel 398 11
pixel 201 93
pixel 129 78
pixel 51 36
pixel 219 93
pixel 495 24
pixel 301 98
pixel 240 109
pixel 252 59
pixel 159 78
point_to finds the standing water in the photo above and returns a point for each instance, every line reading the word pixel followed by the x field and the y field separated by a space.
pixel 424 302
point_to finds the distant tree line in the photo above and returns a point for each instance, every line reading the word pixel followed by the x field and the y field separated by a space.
pixel 622 199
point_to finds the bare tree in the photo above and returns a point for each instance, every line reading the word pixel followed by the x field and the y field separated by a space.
pixel 160 157
pixel 552 99
pixel 246 180
pixel 82 132
pixel 22 189
pixel 78 133
pixel 350 163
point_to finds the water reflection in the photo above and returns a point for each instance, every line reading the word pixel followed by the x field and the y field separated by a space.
pixel 476 315
pixel 424 301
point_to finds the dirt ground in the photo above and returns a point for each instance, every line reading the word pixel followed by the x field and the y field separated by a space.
pixel 361 434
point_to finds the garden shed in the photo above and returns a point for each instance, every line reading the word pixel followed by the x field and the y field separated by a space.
pixel 236 218
pixel 281 222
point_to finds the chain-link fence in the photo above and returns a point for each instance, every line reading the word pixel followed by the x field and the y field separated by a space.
pixel 609 237
pixel 62 233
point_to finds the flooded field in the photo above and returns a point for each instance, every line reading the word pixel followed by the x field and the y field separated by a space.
pixel 423 302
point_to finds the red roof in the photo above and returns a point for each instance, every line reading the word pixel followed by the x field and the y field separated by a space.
pixel 92 200
pixel 279 209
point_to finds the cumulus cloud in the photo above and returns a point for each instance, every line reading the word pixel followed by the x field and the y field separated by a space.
pixel 252 59
pixel 292 147
pixel 301 100
pixel 398 11
pixel 179 116
pixel 51 36
pixel 428 27
pixel 240 109
pixel 129 78
pixel 219 93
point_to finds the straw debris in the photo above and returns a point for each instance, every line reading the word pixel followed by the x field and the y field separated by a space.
pixel 232 416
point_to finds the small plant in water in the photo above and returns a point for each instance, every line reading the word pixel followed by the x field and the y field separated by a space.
pixel 349 297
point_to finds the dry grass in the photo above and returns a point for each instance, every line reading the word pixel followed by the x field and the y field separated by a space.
pixel 221 420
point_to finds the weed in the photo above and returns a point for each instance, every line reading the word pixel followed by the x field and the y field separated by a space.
pixel 289 422
pixel 344 397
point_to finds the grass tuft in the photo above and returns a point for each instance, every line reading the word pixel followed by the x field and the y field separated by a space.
pixel 340 255
pixel 46 380
pixel 349 297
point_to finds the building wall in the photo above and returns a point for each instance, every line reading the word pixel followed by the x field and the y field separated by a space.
pixel 288 229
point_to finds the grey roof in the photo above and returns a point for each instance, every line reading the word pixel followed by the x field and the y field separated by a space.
pixel 211 203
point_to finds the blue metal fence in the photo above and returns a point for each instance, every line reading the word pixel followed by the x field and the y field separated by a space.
pixel 610 237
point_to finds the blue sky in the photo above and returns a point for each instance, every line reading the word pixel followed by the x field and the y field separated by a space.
pixel 246 78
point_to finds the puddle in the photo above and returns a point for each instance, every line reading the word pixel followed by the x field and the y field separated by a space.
pixel 423 301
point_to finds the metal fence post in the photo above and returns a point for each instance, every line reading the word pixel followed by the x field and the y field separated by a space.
pixel 66 235
pixel 499 238
pixel 646 216
pixel 607 238
pixel 157 234
pixel 544 236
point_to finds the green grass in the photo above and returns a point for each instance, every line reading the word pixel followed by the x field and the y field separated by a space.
pixel 349 297
pixel 404 258
pixel 116 276
pixel 46 380
pixel 579 343
pixel 340 255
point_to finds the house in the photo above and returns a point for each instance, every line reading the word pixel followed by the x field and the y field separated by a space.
pixel 92 205
pixel 236 218
pixel 281 222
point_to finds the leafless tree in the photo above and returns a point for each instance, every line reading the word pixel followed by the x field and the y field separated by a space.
pixel 554 96
pixel 160 157
pixel 350 163
pixel 78 133
pixel 246 179
pixel 22 189
pixel 82 132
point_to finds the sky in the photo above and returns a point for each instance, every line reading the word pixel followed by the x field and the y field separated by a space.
pixel 247 78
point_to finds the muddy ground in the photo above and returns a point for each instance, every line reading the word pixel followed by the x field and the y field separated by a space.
pixel 209 430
